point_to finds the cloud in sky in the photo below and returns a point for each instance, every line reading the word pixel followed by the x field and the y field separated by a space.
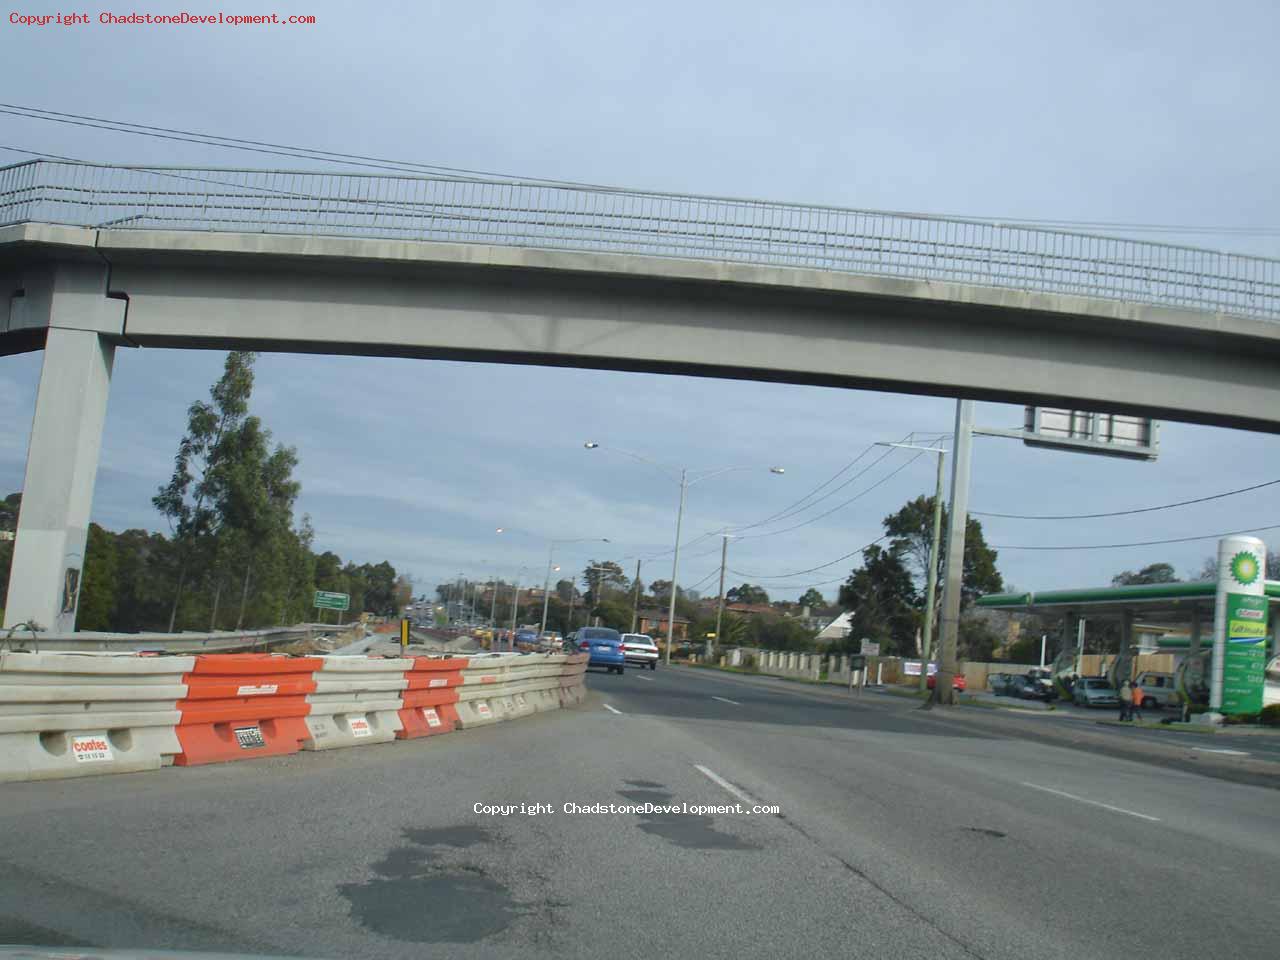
pixel 1148 114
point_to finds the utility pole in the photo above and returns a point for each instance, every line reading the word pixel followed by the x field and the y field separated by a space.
pixel 931 573
pixel 635 602
pixel 724 551
pixel 931 587
pixel 675 567
pixel 961 447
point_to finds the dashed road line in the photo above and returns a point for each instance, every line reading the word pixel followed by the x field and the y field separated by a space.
pixel 727 700
pixel 722 782
pixel 613 709
pixel 1222 750
pixel 1092 803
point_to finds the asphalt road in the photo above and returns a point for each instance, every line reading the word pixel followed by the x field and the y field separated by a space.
pixel 899 832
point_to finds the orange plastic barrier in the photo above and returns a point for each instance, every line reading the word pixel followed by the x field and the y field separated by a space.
pixel 244 705
pixel 430 697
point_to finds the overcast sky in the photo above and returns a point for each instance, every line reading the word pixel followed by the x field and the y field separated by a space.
pixel 1127 113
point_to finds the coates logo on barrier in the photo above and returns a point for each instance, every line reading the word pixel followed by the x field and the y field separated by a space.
pixel 360 727
pixel 90 749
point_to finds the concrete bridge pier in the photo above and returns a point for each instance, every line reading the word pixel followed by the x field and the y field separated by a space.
pixel 82 326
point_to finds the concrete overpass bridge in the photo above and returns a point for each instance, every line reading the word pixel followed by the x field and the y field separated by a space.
pixel 94 257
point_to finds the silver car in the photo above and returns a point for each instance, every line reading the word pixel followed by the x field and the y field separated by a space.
pixel 640 648
pixel 1158 690
pixel 1094 692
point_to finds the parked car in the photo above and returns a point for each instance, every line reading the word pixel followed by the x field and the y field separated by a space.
pixel 957 681
pixel 1094 692
pixel 640 648
pixel 1158 690
pixel 1029 688
pixel 604 646
pixel 999 683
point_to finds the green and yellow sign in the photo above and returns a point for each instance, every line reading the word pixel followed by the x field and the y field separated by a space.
pixel 1244 666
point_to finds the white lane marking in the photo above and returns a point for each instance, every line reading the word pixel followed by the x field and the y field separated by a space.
pixel 613 710
pixel 721 781
pixel 727 700
pixel 1092 803
pixel 639 677
pixel 1229 753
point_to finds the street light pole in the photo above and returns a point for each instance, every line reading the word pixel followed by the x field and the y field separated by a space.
pixel 546 589
pixel 685 483
pixel 546 586
pixel 675 565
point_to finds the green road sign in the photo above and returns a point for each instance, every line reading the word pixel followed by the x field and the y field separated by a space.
pixel 332 601
pixel 1244 667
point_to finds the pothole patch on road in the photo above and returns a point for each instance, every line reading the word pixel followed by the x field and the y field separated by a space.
pixel 423 893
pixel 985 832
pixel 695 831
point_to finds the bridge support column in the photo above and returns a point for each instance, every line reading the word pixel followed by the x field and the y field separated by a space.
pixel 66 436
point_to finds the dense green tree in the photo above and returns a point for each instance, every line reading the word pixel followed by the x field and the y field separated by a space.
pixel 99 582
pixel 812 599
pixel 747 593
pixel 910 533
pixel 881 597
pixel 1151 573
pixel 9 508
pixel 186 499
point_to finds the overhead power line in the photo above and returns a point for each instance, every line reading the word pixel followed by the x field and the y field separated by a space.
pixel 267 147
pixel 800 573
pixel 840 506
pixel 1123 513
pixel 1140 543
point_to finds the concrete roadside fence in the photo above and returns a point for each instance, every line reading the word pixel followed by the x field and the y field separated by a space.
pixel 74 715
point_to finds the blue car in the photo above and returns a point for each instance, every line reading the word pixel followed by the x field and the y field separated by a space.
pixel 604 646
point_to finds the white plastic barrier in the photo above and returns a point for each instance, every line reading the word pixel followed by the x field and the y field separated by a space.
pixel 76 715
pixel 357 701
pixel 508 687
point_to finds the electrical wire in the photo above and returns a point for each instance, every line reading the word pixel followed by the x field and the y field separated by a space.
pixel 800 573
pixel 1140 543
pixel 1123 513
pixel 840 506
pixel 267 147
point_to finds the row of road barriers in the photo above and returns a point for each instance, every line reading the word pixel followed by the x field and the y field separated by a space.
pixel 817 667
pixel 81 714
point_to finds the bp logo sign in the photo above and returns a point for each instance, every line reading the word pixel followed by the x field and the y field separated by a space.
pixel 1244 568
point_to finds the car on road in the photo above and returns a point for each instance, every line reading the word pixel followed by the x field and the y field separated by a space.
pixel 1158 690
pixel 550 640
pixel 1094 692
pixel 526 639
pixel 1026 687
pixel 640 648
pixel 958 681
pixel 604 646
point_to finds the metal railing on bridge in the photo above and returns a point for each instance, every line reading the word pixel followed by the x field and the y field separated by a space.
pixel 581 218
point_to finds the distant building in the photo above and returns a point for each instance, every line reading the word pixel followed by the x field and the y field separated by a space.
pixel 654 623
pixel 838 629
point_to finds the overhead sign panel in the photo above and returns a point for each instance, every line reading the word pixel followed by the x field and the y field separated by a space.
pixel 1084 431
